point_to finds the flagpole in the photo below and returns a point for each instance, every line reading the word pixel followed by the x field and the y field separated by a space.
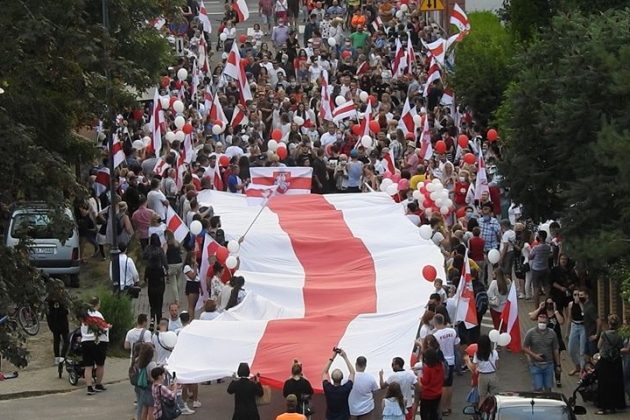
pixel 254 221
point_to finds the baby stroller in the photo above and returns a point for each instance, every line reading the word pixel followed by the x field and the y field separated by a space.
pixel 587 386
pixel 73 359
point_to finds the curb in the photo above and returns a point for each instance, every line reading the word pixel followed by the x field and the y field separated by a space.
pixel 31 394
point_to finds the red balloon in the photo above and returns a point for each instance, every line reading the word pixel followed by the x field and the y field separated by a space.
pixel 244 62
pixel 171 101
pixel 429 272
pixel 224 160
pixel 423 190
pixel 492 135
pixel 356 129
pixel 462 140
pixel 276 134
pixel 242 38
pixel 461 212
pixel 372 99
pixel 471 350
pixel 282 153
pixel 440 147
pixel 469 158
pixel 346 54
pixel 427 203
pixel 375 127
pixel 187 128
pixel 222 254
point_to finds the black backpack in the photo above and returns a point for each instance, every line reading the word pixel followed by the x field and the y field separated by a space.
pixel 481 301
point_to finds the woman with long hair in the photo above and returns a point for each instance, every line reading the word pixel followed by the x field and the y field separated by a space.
pixel 245 391
pixel 431 383
pixel 609 369
pixel 154 274
pixel 174 261
pixel 497 297
pixel 193 285
pixel 215 285
pixel 144 398
pixel 394 403
pixel 57 317
pixel 297 385
pixel 485 363
pixel 237 293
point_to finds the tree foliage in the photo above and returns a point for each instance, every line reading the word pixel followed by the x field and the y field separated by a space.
pixel 566 126
pixel 482 65
pixel 525 17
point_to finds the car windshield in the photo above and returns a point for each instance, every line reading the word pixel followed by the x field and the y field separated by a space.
pixel 537 412
pixel 34 225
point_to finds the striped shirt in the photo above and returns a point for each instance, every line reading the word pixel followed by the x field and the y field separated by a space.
pixel 159 392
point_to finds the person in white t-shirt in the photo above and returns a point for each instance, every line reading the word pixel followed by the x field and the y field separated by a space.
pixel 138 334
pixel 174 323
pixel 361 398
pixel 156 200
pixel 328 137
pixel 486 361
pixel 94 348
pixel 162 352
pixel 407 380
pixel 448 339
pixel 209 311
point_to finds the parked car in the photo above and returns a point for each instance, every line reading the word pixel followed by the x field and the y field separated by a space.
pixel 525 406
pixel 54 256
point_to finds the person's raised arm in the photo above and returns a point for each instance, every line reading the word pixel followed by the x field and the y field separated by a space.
pixel 533 315
pixel 325 374
pixel 349 365
pixel 381 381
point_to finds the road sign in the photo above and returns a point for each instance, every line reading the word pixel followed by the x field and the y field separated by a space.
pixel 179 46
pixel 431 5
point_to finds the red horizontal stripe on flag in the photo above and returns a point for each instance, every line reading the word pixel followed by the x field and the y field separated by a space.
pixel 300 183
pixel 327 314
pixel 174 223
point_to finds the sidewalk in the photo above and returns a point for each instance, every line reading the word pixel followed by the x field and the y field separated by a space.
pixel 46 380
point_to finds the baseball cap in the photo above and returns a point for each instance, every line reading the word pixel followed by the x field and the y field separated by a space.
pixel 354 154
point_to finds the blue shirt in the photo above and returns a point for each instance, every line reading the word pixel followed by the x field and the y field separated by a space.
pixel 355 169
pixel 490 231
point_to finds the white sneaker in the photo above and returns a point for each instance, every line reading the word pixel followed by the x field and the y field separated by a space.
pixel 187 411
pixel 56 362
pixel 196 404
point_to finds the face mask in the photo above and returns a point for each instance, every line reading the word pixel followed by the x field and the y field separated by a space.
pixel 542 326
pixel 469 214
pixel 582 299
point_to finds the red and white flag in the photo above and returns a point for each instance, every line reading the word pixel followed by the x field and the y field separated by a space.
pixel 400 60
pixel 215 175
pixel 426 149
pixel 292 297
pixel 465 298
pixel 160 167
pixel 389 158
pixel 101 183
pixel 325 109
pixel 459 18
pixel 236 70
pixel 363 68
pixel 437 49
pixel 458 37
pixel 365 124
pixel 481 184
pixel 181 172
pixel 448 97
pixel 239 117
pixel 345 110
pixel 176 225
pixel 157 118
pixel 433 75
pixel 188 151
pixel 204 65
pixel 377 23
pixel 287 180
pixel 241 9
pixel 411 55
pixel 216 114
pixel 209 249
pixel 207 99
pixel 204 19
pixel 117 151
pixel 407 123
pixel 258 194
pixel 511 321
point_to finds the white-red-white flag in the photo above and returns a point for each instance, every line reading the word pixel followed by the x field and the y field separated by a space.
pixel 465 298
pixel 433 75
pixel 157 118
pixel 202 53
pixel 437 49
pixel 209 249
pixel 188 151
pixel 345 110
pixel 235 69
pixel 176 225
pixel 239 117
pixel 391 163
pixel 365 124
pixel 241 9
pixel 160 166
pixel 101 183
pixel 458 37
pixel 215 175
pixel 400 60
pixel 448 97
pixel 407 123
pixel 411 55
pixel 216 114
pixel 426 149
pixel 204 19
pixel 181 172
pixel 325 109
pixel 509 316
pixel 481 184
pixel 117 151
pixel 459 18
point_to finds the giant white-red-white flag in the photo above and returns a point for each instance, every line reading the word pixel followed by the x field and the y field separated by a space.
pixel 465 298
pixel 459 18
pixel 371 291
pixel 117 151
pixel 157 118
pixel 204 19
pixel 345 110
pixel 176 225
pixel 509 316
pixel 481 184
pixel 241 9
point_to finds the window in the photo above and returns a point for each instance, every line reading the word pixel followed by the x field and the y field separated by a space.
pixel 34 225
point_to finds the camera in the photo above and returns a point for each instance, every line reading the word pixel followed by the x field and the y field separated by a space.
pixel 337 350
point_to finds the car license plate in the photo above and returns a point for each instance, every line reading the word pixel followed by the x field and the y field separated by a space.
pixel 43 250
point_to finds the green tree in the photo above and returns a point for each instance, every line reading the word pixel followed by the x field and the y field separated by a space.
pixel 482 65
pixel 589 6
pixel 566 129
pixel 525 17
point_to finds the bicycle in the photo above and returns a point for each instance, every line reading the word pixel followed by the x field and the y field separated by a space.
pixel 24 317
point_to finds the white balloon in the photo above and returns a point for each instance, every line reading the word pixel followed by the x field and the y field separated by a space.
pixel 425 230
pixel 449 203
pixel 494 335
pixel 417 120
pixel 138 144
pixel 494 256
pixel 146 140
pixel 165 102
pixel 182 74
pixel 428 213
pixel 231 262
pixel 391 189
pixel 339 100
pixel 444 210
pixel 443 194
pixel 298 120
pixel 399 14
pixel 436 181
pixel 168 338
pixel 438 188
pixel 217 129
pixel 504 339
pixel 169 136
pixel 439 202
pixel 195 227
pixel 417 195
pixel 332 41
pixel 430 187
pixel 272 145
pixel 178 106
pixel 233 246
pixel 386 182
pixel 434 195
pixel 282 145
pixel 366 141
pixel 179 121
pixel 364 96
pixel 180 136
pixel 404 7
pixel 223 36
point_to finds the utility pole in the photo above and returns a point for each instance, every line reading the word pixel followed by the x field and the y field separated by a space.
pixel 109 129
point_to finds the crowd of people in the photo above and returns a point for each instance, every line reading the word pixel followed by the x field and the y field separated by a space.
pixel 350 46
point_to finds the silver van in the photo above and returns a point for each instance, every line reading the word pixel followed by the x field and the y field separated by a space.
pixel 47 253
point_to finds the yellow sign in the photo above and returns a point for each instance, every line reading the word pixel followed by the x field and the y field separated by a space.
pixel 431 5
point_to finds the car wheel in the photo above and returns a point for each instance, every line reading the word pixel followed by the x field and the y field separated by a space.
pixel 74 280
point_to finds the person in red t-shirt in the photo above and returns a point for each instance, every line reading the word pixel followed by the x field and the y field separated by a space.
pixel 431 382
pixel 475 248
